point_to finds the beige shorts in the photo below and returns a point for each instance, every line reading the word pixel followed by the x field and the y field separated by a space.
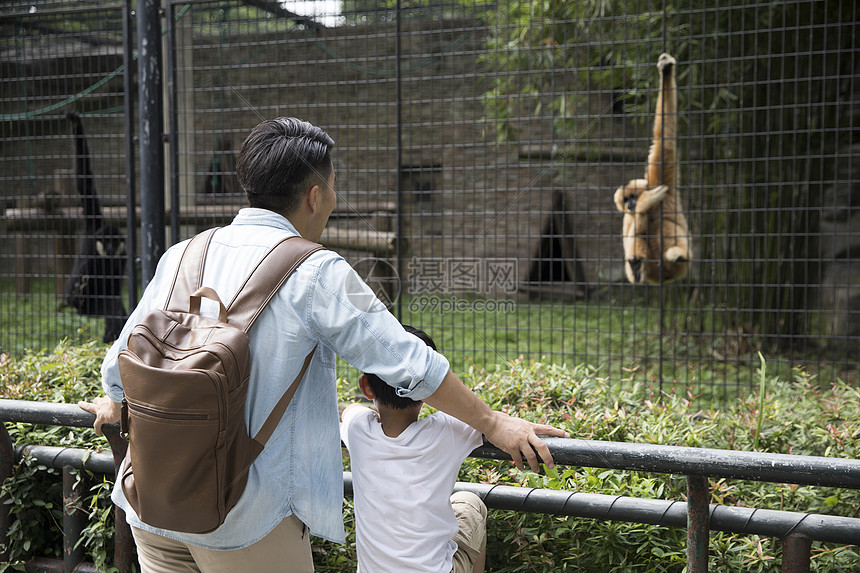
pixel 286 549
pixel 472 536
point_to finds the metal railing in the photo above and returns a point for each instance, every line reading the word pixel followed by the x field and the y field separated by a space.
pixel 796 530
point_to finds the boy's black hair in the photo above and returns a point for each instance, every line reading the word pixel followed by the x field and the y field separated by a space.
pixel 385 393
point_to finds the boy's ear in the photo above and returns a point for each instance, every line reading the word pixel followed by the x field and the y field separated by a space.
pixel 365 387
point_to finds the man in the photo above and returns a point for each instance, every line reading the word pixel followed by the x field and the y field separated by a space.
pixel 295 485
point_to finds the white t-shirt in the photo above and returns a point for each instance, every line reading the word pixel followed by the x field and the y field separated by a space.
pixel 402 488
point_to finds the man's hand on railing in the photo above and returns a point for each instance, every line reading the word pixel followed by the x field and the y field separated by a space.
pixel 520 439
pixel 106 410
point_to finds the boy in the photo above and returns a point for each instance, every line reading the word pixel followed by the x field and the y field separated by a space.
pixel 403 471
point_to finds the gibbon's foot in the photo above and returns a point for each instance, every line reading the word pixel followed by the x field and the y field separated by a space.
pixel 659 192
pixel 649 199
pixel 675 255
pixel 636 269
pixel 665 63
pixel 113 327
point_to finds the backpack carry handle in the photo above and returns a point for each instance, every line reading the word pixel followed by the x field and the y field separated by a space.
pixel 206 292
pixel 259 287
pixel 189 272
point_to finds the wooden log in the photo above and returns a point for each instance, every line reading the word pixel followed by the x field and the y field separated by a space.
pixel 376 242
pixel 63 222
pixel 38 219
pixel 27 219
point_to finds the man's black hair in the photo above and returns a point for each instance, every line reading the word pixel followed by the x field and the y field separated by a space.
pixel 385 393
pixel 280 160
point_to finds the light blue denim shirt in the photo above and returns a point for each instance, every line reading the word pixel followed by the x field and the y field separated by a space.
pixel 325 303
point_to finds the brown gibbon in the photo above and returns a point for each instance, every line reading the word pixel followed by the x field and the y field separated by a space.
pixel 657 239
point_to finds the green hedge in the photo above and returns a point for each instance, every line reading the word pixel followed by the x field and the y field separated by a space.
pixel 792 416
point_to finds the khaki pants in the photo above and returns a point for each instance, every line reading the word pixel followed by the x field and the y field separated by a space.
pixel 472 536
pixel 287 549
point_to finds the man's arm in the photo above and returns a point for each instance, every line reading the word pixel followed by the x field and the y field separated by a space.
pixel 106 410
pixel 515 436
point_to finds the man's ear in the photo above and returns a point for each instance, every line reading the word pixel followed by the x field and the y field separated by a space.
pixel 365 387
pixel 314 198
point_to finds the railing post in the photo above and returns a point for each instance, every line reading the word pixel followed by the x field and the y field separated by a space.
pixel 796 553
pixel 698 527
pixel 123 540
pixel 74 519
pixel 7 468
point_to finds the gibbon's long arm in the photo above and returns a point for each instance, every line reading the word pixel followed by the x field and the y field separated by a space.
pixel 95 285
pixel 662 157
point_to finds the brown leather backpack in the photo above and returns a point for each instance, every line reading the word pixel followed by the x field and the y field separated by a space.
pixel 185 379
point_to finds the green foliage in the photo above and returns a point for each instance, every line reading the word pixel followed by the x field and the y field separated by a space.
pixel 35 511
pixel 536 49
pixel 797 416
pixel 66 374
pixel 98 535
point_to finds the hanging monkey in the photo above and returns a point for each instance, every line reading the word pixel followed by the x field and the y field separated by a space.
pixel 95 285
pixel 652 237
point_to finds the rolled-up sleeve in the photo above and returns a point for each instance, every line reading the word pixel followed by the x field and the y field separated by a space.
pixel 345 314
pixel 436 368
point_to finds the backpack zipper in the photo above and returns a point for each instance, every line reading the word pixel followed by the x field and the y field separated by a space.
pixel 160 414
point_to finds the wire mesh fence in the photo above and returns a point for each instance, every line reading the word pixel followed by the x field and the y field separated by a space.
pixel 479 147
pixel 63 133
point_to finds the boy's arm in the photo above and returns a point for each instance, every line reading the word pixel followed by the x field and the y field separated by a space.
pixel 515 436
pixel 347 415
pixel 350 408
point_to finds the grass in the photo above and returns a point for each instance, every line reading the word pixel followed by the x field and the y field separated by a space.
pixel 37 321
pixel 623 341
pixel 696 352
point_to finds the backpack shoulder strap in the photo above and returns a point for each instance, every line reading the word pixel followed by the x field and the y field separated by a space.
pixel 266 279
pixel 277 412
pixel 262 284
pixel 189 273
